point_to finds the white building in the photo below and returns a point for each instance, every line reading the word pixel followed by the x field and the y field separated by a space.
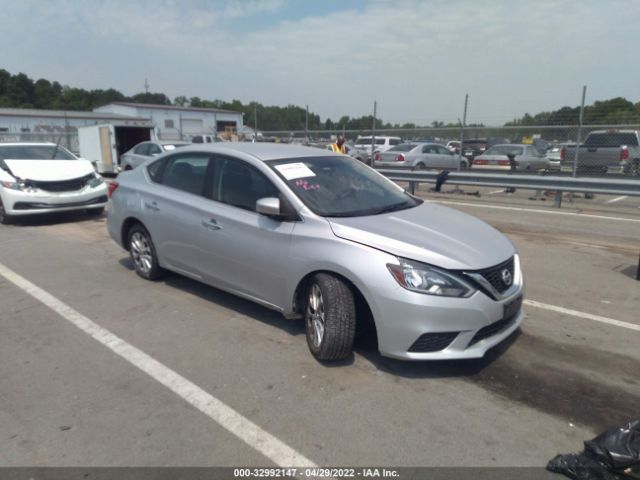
pixel 174 122
pixel 58 126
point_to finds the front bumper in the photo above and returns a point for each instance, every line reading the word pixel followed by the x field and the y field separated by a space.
pixel 409 323
pixel 17 203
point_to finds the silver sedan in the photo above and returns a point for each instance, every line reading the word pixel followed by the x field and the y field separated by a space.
pixel 144 151
pixel 420 156
pixel 324 238
pixel 525 157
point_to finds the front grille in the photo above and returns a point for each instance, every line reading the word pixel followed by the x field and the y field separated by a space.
pixel 63 185
pixel 493 329
pixel 433 342
pixel 493 275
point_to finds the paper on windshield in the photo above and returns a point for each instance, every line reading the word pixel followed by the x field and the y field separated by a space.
pixel 291 171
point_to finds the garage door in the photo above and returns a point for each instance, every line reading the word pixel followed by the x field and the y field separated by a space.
pixel 192 125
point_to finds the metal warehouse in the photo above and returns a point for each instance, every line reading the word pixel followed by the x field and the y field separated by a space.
pixel 174 123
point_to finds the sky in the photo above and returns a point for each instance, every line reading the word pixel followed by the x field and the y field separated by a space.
pixel 416 59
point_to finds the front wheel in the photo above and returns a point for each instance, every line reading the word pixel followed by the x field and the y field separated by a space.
pixel 5 218
pixel 330 318
pixel 143 253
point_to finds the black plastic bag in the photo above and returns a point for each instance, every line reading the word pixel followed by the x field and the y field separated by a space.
pixel 612 455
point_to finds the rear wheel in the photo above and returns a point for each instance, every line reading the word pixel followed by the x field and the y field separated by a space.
pixel 143 253
pixel 330 318
pixel 634 169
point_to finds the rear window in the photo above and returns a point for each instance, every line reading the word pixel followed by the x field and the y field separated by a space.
pixel 612 139
pixel 405 147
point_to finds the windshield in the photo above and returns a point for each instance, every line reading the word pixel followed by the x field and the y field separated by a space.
pixel 341 187
pixel 35 152
pixel 504 150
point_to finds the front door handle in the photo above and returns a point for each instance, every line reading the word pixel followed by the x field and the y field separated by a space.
pixel 211 224
pixel 152 206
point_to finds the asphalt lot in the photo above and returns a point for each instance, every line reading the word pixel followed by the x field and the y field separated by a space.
pixel 66 399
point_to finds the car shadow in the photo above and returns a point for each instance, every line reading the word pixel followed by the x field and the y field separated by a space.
pixel 226 300
pixel 631 271
pixel 56 218
pixel 365 344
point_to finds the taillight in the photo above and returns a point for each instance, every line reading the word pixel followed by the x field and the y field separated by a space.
pixel 624 154
pixel 483 162
pixel 377 156
pixel 563 154
pixel 112 188
pixel 400 158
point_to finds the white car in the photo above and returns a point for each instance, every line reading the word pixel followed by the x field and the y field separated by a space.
pixel 44 177
pixel 382 144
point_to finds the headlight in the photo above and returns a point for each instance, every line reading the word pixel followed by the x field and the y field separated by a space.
pixel 19 185
pixel 422 278
pixel 96 180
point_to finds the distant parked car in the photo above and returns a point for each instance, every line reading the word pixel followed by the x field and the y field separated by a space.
pixel 205 139
pixel 453 146
pixel 144 151
pixel 473 147
pixel 419 156
pixel 554 154
pixel 382 144
pixel 526 157
pixel 45 177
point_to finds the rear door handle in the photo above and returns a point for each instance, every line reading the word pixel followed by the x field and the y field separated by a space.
pixel 211 224
pixel 152 206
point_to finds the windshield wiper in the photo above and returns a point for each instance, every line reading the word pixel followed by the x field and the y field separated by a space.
pixel 390 208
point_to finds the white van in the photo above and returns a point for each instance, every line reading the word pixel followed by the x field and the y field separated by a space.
pixel 382 144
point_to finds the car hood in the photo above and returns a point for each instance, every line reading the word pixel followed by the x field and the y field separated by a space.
pixel 429 233
pixel 49 170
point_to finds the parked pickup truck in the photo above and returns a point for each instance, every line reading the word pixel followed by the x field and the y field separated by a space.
pixel 605 151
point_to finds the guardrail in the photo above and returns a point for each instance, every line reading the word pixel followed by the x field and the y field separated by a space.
pixel 605 186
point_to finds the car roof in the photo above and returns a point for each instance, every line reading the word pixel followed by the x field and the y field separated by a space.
pixel 262 151
pixel 169 142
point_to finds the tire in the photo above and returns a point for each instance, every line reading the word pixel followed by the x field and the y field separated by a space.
pixel 330 318
pixel 143 253
pixel 5 218
pixel 420 166
pixel 127 168
pixel 634 169
pixel 95 211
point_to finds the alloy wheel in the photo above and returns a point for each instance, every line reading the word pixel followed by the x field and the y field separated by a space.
pixel 141 252
pixel 315 315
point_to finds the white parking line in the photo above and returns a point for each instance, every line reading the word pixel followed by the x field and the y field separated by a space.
pixel 617 199
pixel 496 191
pixel 535 210
pixel 243 428
pixel 588 316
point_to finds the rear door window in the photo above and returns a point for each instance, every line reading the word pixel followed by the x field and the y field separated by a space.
pixel 186 172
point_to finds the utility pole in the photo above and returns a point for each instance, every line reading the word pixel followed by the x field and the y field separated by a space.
pixel 373 132
pixel 577 149
pixel 306 125
pixel 255 121
pixel 462 125
pixel 146 86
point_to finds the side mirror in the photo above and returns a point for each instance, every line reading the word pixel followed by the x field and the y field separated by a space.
pixel 269 206
pixel 272 207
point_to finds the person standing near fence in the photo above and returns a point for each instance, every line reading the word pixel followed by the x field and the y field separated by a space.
pixel 338 146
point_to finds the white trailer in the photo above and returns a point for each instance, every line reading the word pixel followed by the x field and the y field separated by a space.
pixel 103 144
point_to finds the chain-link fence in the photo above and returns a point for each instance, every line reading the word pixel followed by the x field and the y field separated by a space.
pixel 604 149
pixel 69 139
